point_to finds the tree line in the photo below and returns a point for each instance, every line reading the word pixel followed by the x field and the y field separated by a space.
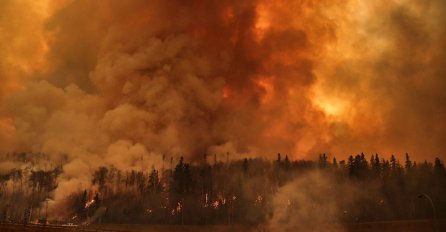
pixel 235 192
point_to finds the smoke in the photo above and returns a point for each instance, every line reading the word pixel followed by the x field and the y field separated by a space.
pixel 121 83
pixel 385 72
pixel 6 166
pixel 304 205
pixel 23 42
pixel 319 201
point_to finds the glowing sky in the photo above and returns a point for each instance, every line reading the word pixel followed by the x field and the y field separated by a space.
pixel 116 80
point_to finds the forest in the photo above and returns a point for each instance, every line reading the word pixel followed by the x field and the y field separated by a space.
pixel 246 191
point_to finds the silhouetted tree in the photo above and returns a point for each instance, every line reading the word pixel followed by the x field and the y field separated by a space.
pixel 323 161
pixel 99 179
pixel 245 165
pixel 287 162
pixel 335 163
pixel 81 211
pixel 154 183
pixel 97 201
pixel 376 166
pixel 222 193
pixel 408 164
pixel 439 169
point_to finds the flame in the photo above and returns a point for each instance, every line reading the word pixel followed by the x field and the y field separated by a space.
pixel 216 204
pixel 258 200
pixel 288 203
pixel 179 207
pixel 88 204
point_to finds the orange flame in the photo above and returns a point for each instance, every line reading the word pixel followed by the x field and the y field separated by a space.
pixel 88 204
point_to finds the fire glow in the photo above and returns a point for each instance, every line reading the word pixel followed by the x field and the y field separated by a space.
pixel 135 81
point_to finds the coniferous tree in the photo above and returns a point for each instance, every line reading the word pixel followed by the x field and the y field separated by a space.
pixel 323 161
pixel 82 212
pixel 376 166
pixel 408 164
pixel 97 201
pixel 393 163
pixel 335 163
pixel 100 178
pixel 245 165
pixel 351 166
pixel 439 169
pixel 187 179
pixel 178 178
pixel 287 162
pixel 154 183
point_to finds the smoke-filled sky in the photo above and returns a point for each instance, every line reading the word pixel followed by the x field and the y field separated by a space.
pixel 113 82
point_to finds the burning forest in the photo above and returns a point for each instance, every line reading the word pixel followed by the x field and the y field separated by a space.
pixel 100 99
pixel 285 193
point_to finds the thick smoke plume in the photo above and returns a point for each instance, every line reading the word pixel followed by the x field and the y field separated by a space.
pixel 311 202
pixel 122 82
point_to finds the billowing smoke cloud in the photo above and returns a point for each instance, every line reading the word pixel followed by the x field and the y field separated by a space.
pixel 321 201
pixel 121 82
pixel 383 82
pixel 310 203
pixel 174 78
pixel 23 42
pixel 22 45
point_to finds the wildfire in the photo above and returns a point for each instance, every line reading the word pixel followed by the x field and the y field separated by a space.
pixel 258 200
pixel 219 202
pixel 88 204
pixel 216 204
pixel 178 209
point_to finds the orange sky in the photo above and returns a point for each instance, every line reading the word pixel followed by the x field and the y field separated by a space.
pixel 115 80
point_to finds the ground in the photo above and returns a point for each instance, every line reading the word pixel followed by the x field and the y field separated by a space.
pixel 394 226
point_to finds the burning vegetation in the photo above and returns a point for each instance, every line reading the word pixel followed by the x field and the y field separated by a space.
pixel 95 92
pixel 281 193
